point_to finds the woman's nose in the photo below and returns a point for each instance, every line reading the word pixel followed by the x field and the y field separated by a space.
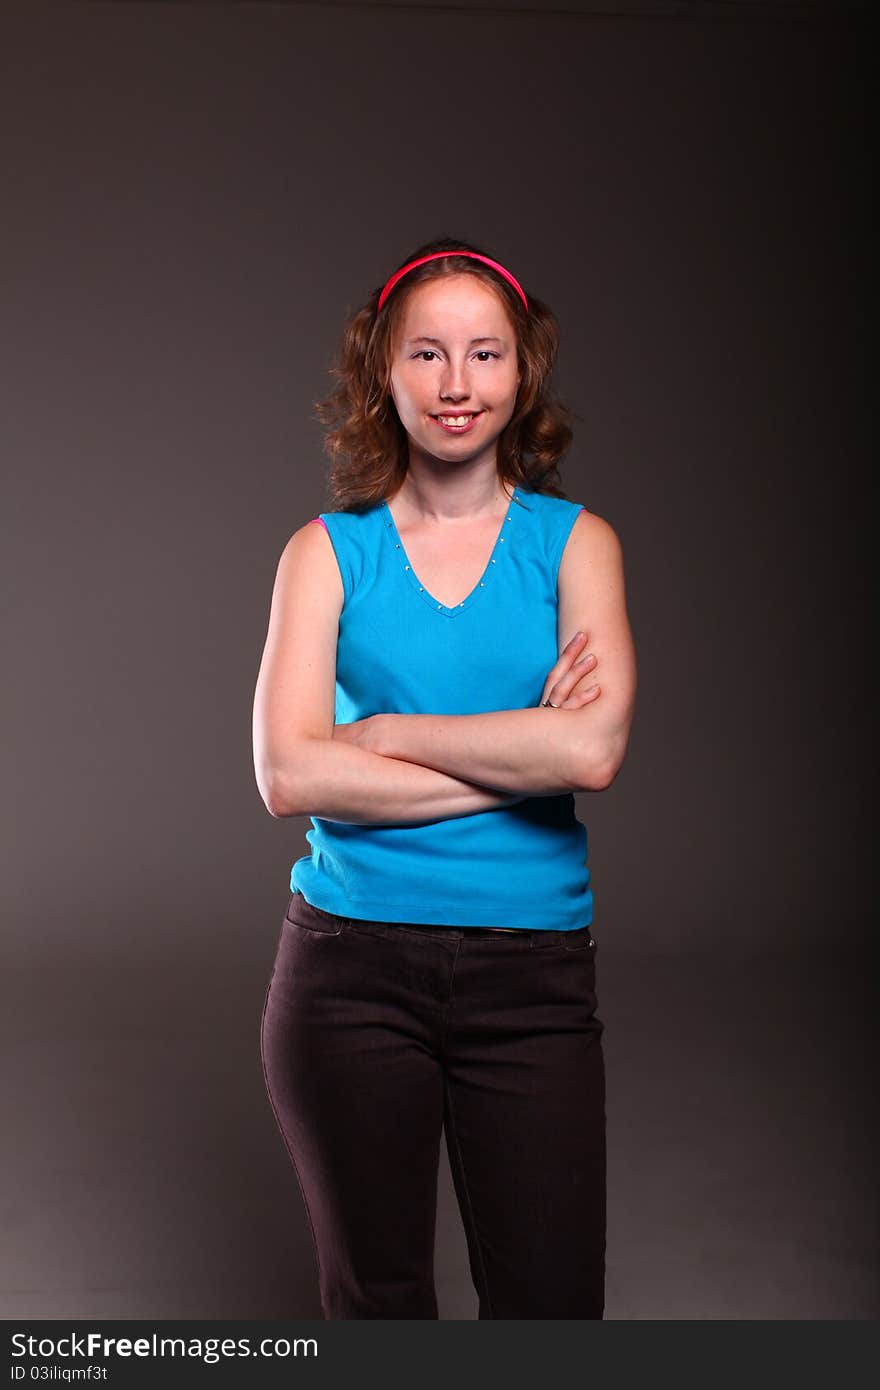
pixel 455 382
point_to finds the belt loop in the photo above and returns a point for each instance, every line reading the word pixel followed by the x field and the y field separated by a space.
pixel 545 939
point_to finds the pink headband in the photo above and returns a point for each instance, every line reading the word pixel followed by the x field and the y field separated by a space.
pixel 389 286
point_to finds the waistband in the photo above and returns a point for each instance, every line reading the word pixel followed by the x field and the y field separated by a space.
pixel 536 937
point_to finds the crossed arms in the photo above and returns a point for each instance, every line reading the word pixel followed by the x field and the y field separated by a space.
pixel 411 768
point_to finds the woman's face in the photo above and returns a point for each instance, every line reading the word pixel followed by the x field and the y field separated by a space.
pixel 469 367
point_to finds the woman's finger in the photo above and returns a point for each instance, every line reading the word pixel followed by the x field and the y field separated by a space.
pixel 567 656
pixel 576 699
pixel 587 696
pixel 583 673
pixel 575 679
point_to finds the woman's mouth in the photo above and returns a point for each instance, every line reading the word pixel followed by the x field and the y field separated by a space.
pixel 458 424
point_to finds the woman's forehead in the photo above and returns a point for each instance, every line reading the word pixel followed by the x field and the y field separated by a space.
pixel 447 308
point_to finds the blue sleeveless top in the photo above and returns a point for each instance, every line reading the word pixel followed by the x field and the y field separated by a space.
pixel 401 651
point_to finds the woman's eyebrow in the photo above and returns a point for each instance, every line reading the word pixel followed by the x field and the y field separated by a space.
pixel 439 343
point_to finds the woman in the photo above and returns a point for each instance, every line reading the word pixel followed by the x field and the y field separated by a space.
pixel 436 965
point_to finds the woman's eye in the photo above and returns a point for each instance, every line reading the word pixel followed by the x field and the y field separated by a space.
pixel 429 352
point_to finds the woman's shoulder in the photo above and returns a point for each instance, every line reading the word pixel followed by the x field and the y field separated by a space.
pixel 546 503
pixel 583 520
pixel 563 516
pixel 349 514
pixel 592 537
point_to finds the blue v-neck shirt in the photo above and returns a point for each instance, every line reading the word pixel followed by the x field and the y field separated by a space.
pixel 401 651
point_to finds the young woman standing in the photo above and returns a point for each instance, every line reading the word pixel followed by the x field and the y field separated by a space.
pixel 448 661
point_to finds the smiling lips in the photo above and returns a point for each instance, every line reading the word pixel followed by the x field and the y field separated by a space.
pixel 451 424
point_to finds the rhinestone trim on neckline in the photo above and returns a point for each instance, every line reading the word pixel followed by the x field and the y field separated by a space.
pixel 390 529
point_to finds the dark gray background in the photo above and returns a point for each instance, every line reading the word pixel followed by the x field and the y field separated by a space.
pixel 195 197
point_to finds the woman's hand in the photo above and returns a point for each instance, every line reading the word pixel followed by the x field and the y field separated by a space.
pixel 571 682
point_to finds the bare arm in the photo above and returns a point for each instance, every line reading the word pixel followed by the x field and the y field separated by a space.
pixel 532 751
pixel 338 781
pixel 300 769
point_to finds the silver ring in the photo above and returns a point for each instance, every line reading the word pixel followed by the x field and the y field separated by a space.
pixel 546 703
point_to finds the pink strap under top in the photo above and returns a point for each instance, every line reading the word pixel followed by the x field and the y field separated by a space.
pixel 320 523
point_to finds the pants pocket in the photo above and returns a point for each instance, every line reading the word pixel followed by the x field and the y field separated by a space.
pixel 303 916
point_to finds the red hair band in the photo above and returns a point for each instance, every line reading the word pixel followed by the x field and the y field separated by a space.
pixel 389 285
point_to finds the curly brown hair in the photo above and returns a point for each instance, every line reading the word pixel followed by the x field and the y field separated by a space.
pixel 366 443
